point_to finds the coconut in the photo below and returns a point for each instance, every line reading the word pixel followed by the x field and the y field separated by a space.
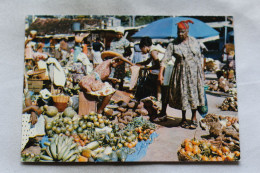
pixel 69 112
pixel 51 111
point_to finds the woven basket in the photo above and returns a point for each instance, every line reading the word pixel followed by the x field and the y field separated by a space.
pixel 60 101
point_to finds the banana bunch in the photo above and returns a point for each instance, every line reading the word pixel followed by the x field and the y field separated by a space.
pixel 61 148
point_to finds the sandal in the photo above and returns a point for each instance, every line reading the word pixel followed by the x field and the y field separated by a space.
pixel 194 125
pixel 184 124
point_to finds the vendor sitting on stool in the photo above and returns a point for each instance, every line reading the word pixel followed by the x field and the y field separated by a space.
pixel 94 84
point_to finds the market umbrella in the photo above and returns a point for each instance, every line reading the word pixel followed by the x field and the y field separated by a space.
pixel 167 28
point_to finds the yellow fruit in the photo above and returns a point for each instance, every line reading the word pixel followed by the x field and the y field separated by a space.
pixel 196 150
pixel 225 149
pixel 205 158
pixel 188 147
pixel 213 148
pixel 237 153
pixel 219 152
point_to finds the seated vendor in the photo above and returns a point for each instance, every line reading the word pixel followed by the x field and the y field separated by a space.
pixel 94 84
pixel 32 120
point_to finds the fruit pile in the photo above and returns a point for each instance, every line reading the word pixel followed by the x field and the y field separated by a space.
pixel 221 85
pixel 29 157
pixel 61 148
pixel 142 127
pixel 70 127
pixel 205 150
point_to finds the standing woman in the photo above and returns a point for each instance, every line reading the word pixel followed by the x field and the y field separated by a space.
pixel 119 45
pixel 186 89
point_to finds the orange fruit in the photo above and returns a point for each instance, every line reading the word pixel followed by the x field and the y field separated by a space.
pixel 189 153
pixel 186 140
pixel 196 150
pixel 237 153
pixel 219 152
pixel 82 159
pixel 213 148
pixel 195 142
pixel 230 157
pixel 205 158
pixel 188 147
pixel 213 159
pixel 225 149
pixel 182 151
pixel 219 158
pixel 130 145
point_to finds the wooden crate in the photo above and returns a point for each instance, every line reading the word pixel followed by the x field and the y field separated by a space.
pixel 87 104
pixel 37 85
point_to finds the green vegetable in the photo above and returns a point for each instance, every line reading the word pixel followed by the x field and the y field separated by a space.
pixel 51 111
pixel 69 112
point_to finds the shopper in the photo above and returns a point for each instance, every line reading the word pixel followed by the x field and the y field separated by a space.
pixel 186 89
pixel 97 48
pixel 119 45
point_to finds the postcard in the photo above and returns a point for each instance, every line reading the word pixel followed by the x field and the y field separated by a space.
pixel 108 88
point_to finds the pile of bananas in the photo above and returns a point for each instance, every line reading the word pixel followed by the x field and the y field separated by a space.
pixel 60 148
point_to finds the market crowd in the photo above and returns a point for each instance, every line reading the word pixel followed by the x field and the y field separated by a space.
pixel 173 74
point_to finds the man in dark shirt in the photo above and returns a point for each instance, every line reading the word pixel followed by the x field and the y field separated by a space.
pixel 97 47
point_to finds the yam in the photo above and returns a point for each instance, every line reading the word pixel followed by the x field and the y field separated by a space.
pixel 121 109
pixel 109 112
pixel 143 112
pixel 131 105
pixel 124 105
pixel 138 111
pixel 140 105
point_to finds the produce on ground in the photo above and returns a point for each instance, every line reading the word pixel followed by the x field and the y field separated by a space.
pixel 222 128
pixel 122 113
pixel 206 150
pixel 29 157
pixel 60 148
pixel 143 127
pixel 229 104
pixel 221 85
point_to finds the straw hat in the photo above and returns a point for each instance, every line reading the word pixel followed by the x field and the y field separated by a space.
pixel 33 32
pixel 120 29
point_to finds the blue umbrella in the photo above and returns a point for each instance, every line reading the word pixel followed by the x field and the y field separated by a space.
pixel 167 28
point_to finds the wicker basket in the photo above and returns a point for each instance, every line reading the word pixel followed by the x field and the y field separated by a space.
pixel 60 101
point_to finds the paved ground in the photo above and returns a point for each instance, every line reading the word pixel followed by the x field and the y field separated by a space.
pixel 165 146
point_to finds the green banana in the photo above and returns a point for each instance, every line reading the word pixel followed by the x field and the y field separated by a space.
pixel 45 157
pixel 48 151
pixel 73 145
pixel 66 152
pixel 72 158
pixel 68 155
pixel 62 152
pixel 53 150
pixel 47 143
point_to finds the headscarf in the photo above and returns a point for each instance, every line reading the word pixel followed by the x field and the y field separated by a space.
pixel 184 24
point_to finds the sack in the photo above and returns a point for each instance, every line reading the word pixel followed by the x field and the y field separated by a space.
pixel 203 110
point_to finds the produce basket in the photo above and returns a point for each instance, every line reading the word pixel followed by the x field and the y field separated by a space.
pixel 60 101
